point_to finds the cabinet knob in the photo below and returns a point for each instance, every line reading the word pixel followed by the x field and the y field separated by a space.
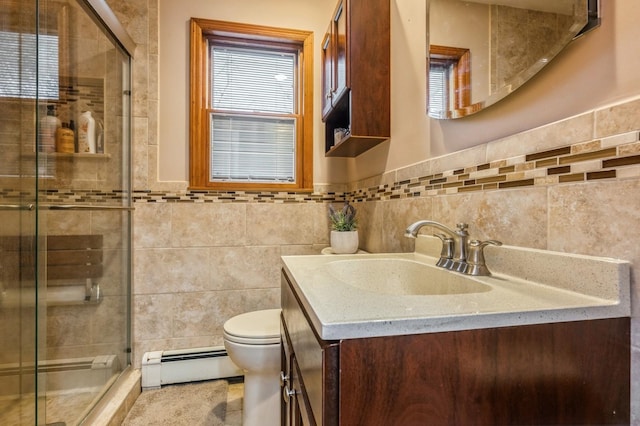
pixel 284 378
pixel 287 394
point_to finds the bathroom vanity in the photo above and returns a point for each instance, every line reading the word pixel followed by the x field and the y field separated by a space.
pixel 541 355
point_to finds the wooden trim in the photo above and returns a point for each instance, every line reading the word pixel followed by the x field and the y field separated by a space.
pixel 198 144
pixel 306 65
pixel 461 60
pixel 200 103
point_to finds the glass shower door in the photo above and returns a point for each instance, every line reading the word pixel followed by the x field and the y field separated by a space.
pixel 22 324
pixel 65 210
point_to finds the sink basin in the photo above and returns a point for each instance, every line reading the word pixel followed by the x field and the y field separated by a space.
pixel 402 277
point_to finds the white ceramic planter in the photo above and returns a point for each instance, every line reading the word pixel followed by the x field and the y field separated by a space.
pixel 344 242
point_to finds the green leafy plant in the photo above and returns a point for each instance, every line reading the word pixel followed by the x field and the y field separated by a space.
pixel 343 220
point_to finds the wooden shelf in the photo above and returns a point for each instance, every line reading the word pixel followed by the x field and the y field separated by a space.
pixel 67 155
pixel 352 146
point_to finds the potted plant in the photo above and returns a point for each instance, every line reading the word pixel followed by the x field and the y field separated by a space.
pixel 344 235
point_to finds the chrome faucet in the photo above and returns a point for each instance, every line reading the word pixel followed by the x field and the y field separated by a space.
pixel 459 236
pixel 458 253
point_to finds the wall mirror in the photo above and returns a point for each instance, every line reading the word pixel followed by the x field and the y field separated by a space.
pixel 482 50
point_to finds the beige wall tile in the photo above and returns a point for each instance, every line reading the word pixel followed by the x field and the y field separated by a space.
pixel 460 159
pixel 228 223
pixel 298 250
pixel 204 314
pixel 580 222
pixel 109 224
pixel 369 225
pixel 192 225
pixel 624 138
pixel 250 267
pixel 171 270
pixel 140 79
pixel 153 315
pixel 66 222
pixel 396 216
pixel 620 118
pixel 272 223
pixel 321 223
pixel 140 149
pixel 580 218
pixel 67 326
pixel 133 15
pixel 108 321
pixel 562 133
pixel 416 170
pixel 514 216
pixel 152 225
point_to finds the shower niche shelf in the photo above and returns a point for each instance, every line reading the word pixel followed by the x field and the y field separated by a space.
pixel 69 155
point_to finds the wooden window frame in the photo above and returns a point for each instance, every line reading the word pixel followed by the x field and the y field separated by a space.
pixel 460 59
pixel 200 103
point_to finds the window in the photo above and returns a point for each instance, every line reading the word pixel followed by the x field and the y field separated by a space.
pixel 20 76
pixel 251 107
pixel 449 78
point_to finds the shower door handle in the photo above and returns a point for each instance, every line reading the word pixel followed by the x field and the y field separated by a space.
pixel 86 207
pixel 16 206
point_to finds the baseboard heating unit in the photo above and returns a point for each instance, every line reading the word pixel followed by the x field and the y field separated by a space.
pixel 186 365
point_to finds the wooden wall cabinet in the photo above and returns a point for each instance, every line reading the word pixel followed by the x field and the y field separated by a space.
pixel 573 373
pixel 356 76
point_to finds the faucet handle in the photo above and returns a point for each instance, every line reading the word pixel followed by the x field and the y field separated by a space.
pixel 462 228
pixel 446 254
pixel 475 261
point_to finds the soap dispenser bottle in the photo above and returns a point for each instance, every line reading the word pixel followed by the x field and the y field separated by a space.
pixel 86 133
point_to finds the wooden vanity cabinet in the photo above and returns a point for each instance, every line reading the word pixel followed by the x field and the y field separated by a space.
pixel 572 373
pixel 356 76
pixel 312 365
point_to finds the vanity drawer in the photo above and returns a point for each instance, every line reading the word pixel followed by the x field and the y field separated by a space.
pixel 316 359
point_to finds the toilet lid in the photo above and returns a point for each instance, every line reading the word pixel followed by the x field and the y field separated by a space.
pixel 258 327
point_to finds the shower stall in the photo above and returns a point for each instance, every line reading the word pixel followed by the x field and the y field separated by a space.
pixel 65 208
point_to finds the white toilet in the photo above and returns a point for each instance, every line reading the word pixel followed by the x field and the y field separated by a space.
pixel 252 341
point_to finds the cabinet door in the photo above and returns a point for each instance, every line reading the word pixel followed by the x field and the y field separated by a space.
pixel 286 361
pixel 295 410
pixel 300 410
pixel 327 72
pixel 340 42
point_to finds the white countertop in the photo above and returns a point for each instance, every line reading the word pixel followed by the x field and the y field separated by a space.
pixel 558 287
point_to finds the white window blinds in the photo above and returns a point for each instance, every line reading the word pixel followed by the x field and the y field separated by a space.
pixel 259 147
pixel 438 87
pixel 24 74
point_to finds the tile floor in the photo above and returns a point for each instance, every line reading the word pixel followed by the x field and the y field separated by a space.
pixel 60 407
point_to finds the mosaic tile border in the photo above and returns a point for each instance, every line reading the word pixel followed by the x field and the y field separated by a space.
pixel 236 197
pixel 615 157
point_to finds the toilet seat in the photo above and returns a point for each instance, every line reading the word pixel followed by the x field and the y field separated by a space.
pixel 254 328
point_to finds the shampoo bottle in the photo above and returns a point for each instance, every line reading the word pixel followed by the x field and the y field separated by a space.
pixel 48 127
pixel 65 139
pixel 86 133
